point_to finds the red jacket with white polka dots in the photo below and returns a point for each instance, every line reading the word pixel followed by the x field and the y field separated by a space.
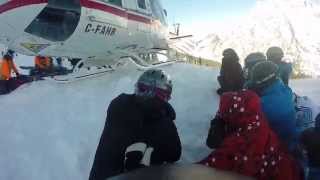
pixel 250 147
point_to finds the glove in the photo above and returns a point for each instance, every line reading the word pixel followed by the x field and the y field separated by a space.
pixel 216 133
pixel 147 156
pixel 133 156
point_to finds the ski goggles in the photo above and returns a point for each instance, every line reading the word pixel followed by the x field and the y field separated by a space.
pixel 151 91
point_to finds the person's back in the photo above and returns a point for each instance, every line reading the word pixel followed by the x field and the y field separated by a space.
pixel 231 75
pixel 42 63
pixel 135 125
pixel 7 66
pixel 249 62
pixel 275 55
pixel 277 101
pixel 249 146
pixel 285 71
pixel 278 106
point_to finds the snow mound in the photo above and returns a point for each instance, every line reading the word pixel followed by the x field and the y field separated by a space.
pixel 50 131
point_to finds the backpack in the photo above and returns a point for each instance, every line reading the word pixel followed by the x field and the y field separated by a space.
pixel 306 113
pixel 216 133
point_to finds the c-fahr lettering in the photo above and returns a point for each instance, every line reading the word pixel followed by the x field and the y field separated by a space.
pixel 106 30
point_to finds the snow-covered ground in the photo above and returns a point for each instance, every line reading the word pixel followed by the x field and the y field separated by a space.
pixel 50 131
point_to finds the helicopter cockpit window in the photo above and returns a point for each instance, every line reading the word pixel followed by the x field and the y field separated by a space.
pixel 113 2
pixel 142 4
pixel 56 22
pixel 64 4
pixel 158 11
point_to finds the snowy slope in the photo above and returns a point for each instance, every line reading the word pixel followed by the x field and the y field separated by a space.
pixel 50 131
pixel 293 25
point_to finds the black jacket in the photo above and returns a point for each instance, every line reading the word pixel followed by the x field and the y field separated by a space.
pixel 216 133
pixel 310 140
pixel 128 122
pixel 231 75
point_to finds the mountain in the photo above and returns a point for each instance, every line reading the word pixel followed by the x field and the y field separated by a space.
pixel 293 25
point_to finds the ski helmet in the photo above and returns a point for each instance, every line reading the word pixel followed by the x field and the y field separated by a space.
pixel 251 60
pixel 254 58
pixel 263 74
pixel 275 54
pixel 154 83
pixel 230 53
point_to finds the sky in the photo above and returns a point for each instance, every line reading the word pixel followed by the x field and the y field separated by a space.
pixel 195 13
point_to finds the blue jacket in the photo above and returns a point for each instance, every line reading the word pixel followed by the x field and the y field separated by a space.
pixel 278 106
pixel 318 122
pixel 285 71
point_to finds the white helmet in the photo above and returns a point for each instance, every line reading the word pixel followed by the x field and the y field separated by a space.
pixel 154 83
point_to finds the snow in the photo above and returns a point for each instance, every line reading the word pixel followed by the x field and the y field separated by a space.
pixel 307 87
pixel 50 131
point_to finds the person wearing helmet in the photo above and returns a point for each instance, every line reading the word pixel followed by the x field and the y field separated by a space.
pixel 248 145
pixel 139 129
pixel 231 75
pixel 249 62
pixel 43 65
pixel 275 55
pixel 277 101
pixel 7 67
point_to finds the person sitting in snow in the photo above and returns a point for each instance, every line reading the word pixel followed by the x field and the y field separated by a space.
pixel 43 66
pixel 275 55
pixel 249 62
pixel 139 129
pixel 231 75
pixel 277 101
pixel 248 145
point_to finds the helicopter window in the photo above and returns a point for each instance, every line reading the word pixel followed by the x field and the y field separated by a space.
pixel 142 4
pixel 54 24
pixel 158 12
pixel 113 2
pixel 64 4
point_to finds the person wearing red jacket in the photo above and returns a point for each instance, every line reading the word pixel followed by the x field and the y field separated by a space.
pixel 248 145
